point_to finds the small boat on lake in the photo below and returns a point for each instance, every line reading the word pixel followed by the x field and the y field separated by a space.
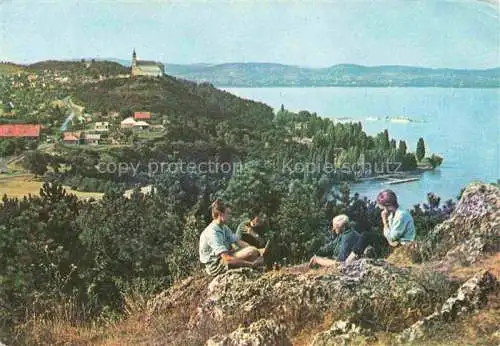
pixel 401 120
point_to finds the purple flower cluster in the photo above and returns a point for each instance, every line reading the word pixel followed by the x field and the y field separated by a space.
pixel 474 207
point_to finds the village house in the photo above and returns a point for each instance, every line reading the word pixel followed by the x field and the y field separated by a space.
pixel 142 125
pixel 157 128
pixel 301 126
pixel 92 138
pixel 72 137
pixel 303 140
pixel 114 114
pixel 127 123
pixel 101 126
pixel 142 116
pixel 20 131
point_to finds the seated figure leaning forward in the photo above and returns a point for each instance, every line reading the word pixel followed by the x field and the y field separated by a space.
pixel 399 228
pixel 346 245
pixel 220 249
pixel 253 231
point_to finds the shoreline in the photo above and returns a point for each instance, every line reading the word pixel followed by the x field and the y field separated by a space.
pixel 394 178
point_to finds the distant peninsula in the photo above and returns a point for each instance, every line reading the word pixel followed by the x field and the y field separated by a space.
pixel 346 75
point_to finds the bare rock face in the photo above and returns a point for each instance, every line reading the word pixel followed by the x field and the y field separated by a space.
pixel 470 296
pixel 261 333
pixel 472 230
pixel 366 292
pixel 343 333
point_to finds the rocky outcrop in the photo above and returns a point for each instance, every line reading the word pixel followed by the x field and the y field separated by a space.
pixel 261 333
pixel 370 293
pixel 470 296
pixel 246 307
pixel 472 229
pixel 343 333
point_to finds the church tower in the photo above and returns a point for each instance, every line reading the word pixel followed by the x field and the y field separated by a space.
pixel 134 59
pixel 134 64
pixel 145 68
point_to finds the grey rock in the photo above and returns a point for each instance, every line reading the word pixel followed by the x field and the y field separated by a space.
pixel 472 229
pixel 370 294
pixel 261 333
pixel 342 333
pixel 470 296
pixel 371 291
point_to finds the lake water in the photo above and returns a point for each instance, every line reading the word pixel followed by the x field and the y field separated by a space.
pixel 462 125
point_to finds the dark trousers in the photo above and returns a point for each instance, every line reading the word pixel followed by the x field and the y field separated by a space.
pixel 251 240
pixel 375 239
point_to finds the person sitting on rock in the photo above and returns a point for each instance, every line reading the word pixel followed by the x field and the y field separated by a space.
pixel 253 231
pixel 399 228
pixel 217 248
pixel 339 249
pixel 347 246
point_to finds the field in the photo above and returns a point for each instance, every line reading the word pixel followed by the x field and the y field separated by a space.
pixel 23 185
pixel 8 68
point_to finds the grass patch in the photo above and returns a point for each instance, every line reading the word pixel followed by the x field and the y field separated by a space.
pixel 9 68
pixel 24 185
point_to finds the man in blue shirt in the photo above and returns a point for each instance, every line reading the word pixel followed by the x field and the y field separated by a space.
pixel 342 245
pixel 217 248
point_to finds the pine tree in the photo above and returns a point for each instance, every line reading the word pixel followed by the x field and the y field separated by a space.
pixel 386 139
pixel 420 149
pixel 402 148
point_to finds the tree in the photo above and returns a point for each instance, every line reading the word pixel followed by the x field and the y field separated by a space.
pixel 409 162
pixel 435 160
pixel 7 147
pixel 297 224
pixel 126 112
pixel 420 149
pixel 32 145
pixel 41 253
pixel 401 151
pixel 402 148
pixel 20 145
pixel 382 140
pixel 251 190
pixel 36 162
pixel 345 193
pixel 127 242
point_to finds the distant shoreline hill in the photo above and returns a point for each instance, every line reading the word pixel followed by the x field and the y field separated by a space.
pixel 276 75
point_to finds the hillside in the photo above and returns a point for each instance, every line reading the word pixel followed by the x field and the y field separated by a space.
pixel 277 75
pixel 7 68
pixel 166 95
pixel 413 297
pixel 90 68
pixel 193 122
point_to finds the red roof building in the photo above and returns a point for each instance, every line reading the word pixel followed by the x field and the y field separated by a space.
pixel 142 115
pixel 71 137
pixel 19 131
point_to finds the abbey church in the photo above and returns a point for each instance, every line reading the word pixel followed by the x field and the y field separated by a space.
pixel 146 68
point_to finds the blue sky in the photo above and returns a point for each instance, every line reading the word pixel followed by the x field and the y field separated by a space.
pixel 431 33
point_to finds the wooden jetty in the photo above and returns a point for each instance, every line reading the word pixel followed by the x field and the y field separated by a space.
pixel 402 181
